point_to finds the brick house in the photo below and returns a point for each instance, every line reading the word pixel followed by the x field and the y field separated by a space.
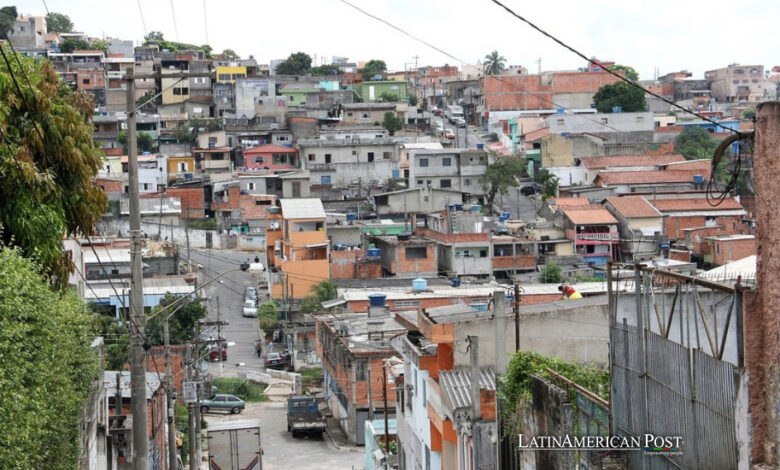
pixel 681 214
pixel 271 157
pixel 410 257
pixel 594 232
pixel 723 249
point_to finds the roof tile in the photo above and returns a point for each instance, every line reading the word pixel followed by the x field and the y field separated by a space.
pixel 597 163
pixel 633 206
pixel 647 177
pixel 587 216
pixel 698 204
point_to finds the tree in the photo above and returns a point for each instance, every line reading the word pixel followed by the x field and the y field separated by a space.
pixel 153 36
pixel 58 23
pixel 7 19
pixel 183 319
pixel 230 54
pixel 749 113
pixel 392 123
pixel 548 181
pixel 268 315
pixel 628 97
pixel 48 368
pixel 551 274
pixel 298 63
pixel 373 68
pixel 695 143
pixel 99 45
pixel 627 70
pixel 502 175
pixel 389 97
pixel 320 292
pixel 143 140
pixel 116 338
pixel 494 63
pixel 412 100
pixel 325 70
pixel 47 162
pixel 69 45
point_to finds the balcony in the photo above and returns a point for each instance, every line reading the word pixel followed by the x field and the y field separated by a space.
pixel 300 239
pixel 611 237
pixel 321 166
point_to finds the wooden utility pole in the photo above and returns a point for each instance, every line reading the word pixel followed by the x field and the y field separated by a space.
pixel 137 316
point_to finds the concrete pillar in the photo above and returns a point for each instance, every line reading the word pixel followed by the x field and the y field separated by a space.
pixel 763 352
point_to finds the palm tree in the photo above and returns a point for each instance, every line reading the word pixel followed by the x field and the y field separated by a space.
pixel 324 290
pixel 494 63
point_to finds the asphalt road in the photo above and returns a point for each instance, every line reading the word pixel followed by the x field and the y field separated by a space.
pixel 226 297
pixel 281 451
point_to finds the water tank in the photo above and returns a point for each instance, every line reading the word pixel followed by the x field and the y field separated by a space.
pixel 377 300
pixel 458 207
pixel 617 109
pixel 212 145
pixel 698 179
pixel 480 146
pixel 374 252
pixel 506 215
pixel 351 216
pixel 419 284
pixel 476 208
pixel 396 174
pixel 187 176
pixel 455 282
pixel 559 110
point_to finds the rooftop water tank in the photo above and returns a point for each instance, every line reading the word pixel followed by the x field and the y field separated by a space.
pixel 480 146
pixel 377 300
pixel 419 284
pixel 698 179
pixel 455 282
pixel 374 252
pixel 351 216
pixel 476 208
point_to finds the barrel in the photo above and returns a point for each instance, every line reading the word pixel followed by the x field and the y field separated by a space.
pixel 377 300
pixel 455 282
pixel 476 208
pixel 419 284
pixel 374 252
pixel 351 216
pixel 480 146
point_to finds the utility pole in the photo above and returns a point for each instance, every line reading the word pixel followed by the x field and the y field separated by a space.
pixel 517 316
pixel 384 398
pixel 137 316
pixel 219 344
pixel 192 406
pixel 170 395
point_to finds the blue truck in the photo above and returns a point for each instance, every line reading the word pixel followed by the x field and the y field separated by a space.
pixel 304 417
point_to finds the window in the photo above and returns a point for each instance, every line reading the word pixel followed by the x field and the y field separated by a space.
pixel 146 186
pixel 386 155
pixel 483 253
pixel 238 75
pixel 182 166
pixel 379 136
pixel 349 114
pixel 365 115
pixel 445 183
pixel 370 156
pixel 640 119
pixel 354 152
pixel 250 186
pixel 312 157
pixel 560 122
pixel 738 71
pixel 717 248
pixel 420 182
pixel 446 161
pixel 416 252
pixel 224 76
pixel 426 198
pixel 259 160
pixel 85 81
pixel 181 91
pixel 325 180
pixel 263 203
pixel 423 162
pixel 328 158
pixel 217 156
pixel 406 303
pixel 467 182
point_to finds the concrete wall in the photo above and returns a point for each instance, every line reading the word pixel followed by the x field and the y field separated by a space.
pixel 150 227
pixel 625 122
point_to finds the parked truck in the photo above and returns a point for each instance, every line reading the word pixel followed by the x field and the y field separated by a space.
pixel 304 416
pixel 235 445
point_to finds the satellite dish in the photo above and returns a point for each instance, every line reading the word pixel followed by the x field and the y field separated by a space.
pixel 203 366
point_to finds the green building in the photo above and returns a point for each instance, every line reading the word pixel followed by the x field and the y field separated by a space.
pixel 373 91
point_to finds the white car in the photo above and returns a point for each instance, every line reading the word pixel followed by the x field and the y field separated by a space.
pixel 449 134
pixel 250 309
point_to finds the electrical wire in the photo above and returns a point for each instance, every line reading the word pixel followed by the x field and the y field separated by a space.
pixel 205 22
pixel 611 72
pixel 173 15
pixel 141 12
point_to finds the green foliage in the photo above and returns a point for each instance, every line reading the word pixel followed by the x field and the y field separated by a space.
pixel 516 383
pixel 413 100
pixel 628 71
pixel 389 97
pixel 749 113
pixel 116 339
pixel 494 63
pixel 320 292
pixel 548 181
pixel 551 274
pixel 502 175
pixel 47 162
pixel 695 143
pixel 48 368
pixel 7 19
pixel 629 98
pixel 59 23
pixel 242 388
pixel 181 325
pixel 182 426
pixel 311 377
pixel 393 446
pixel 392 123
pixel 69 45
pixel 268 316
pixel 325 70
pixel 144 141
pixel 373 67
pixel 230 54
pixel 298 63
pixel 156 37
pixel 99 45
pixel 206 224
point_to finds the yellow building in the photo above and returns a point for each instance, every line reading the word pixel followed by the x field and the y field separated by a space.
pixel 230 74
pixel 179 165
pixel 298 248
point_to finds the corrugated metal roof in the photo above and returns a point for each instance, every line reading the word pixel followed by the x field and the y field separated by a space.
pixel 456 385
pixel 303 209
pixel 109 381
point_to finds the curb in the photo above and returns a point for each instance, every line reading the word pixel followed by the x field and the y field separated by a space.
pixel 332 441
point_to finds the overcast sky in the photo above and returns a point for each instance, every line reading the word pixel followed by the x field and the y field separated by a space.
pixel 670 35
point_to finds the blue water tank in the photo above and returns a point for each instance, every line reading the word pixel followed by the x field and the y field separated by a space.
pixel 187 176
pixel 374 252
pixel 476 208
pixel 617 109
pixel 559 110
pixel 480 146
pixel 351 216
pixel 458 207
pixel 419 284
pixel 506 215
pixel 377 300
pixel 396 174
pixel 455 282
pixel 698 179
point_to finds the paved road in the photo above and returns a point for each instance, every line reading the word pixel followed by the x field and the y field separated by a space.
pixel 281 451
pixel 230 292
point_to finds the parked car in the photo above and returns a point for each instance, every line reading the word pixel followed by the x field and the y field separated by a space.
pixel 222 402
pixel 250 308
pixel 250 293
pixel 449 134
pixel 460 122
pixel 274 360
pixel 217 353
pixel 437 112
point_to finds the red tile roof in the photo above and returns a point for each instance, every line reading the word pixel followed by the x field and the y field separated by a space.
pixel 646 177
pixel 590 216
pixel 571 202
pixel 698 204
pixel 269 148
pixel 633 206
pixel 597 163
pixel 705 166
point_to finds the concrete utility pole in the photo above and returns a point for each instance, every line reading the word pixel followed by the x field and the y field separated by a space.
pixel 137 317
pixel 170 395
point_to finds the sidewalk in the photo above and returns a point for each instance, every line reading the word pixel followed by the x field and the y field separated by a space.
pixel 337 436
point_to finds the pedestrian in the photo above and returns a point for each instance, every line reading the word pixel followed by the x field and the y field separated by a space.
pixel 258 348
pixel 569 292
pixel 270 345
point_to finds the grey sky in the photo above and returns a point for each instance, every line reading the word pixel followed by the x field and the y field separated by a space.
pixel 669 34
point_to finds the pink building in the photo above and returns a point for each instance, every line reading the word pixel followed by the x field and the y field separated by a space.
pixel 271 157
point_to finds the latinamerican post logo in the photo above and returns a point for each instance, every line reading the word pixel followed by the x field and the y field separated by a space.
pixel 648 443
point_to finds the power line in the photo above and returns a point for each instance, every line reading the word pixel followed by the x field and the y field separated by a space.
pixel 141 12
pixel 173 14
pixel 205 22
pixel 46 7
pixel 611 72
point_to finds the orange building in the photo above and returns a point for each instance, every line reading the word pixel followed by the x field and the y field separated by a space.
pixel 300 257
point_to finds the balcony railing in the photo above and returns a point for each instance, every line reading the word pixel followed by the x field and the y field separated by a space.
pixel 605 237
pixel 321 166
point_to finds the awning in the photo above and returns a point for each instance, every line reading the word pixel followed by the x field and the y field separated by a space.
pixel 317 245
pixel 332 303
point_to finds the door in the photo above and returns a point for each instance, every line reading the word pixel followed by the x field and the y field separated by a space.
pixel 208 240
pixel 361 416
pixel 296 189
pixel 325 180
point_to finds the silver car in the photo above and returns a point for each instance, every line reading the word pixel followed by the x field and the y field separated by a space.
pixel 250 309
